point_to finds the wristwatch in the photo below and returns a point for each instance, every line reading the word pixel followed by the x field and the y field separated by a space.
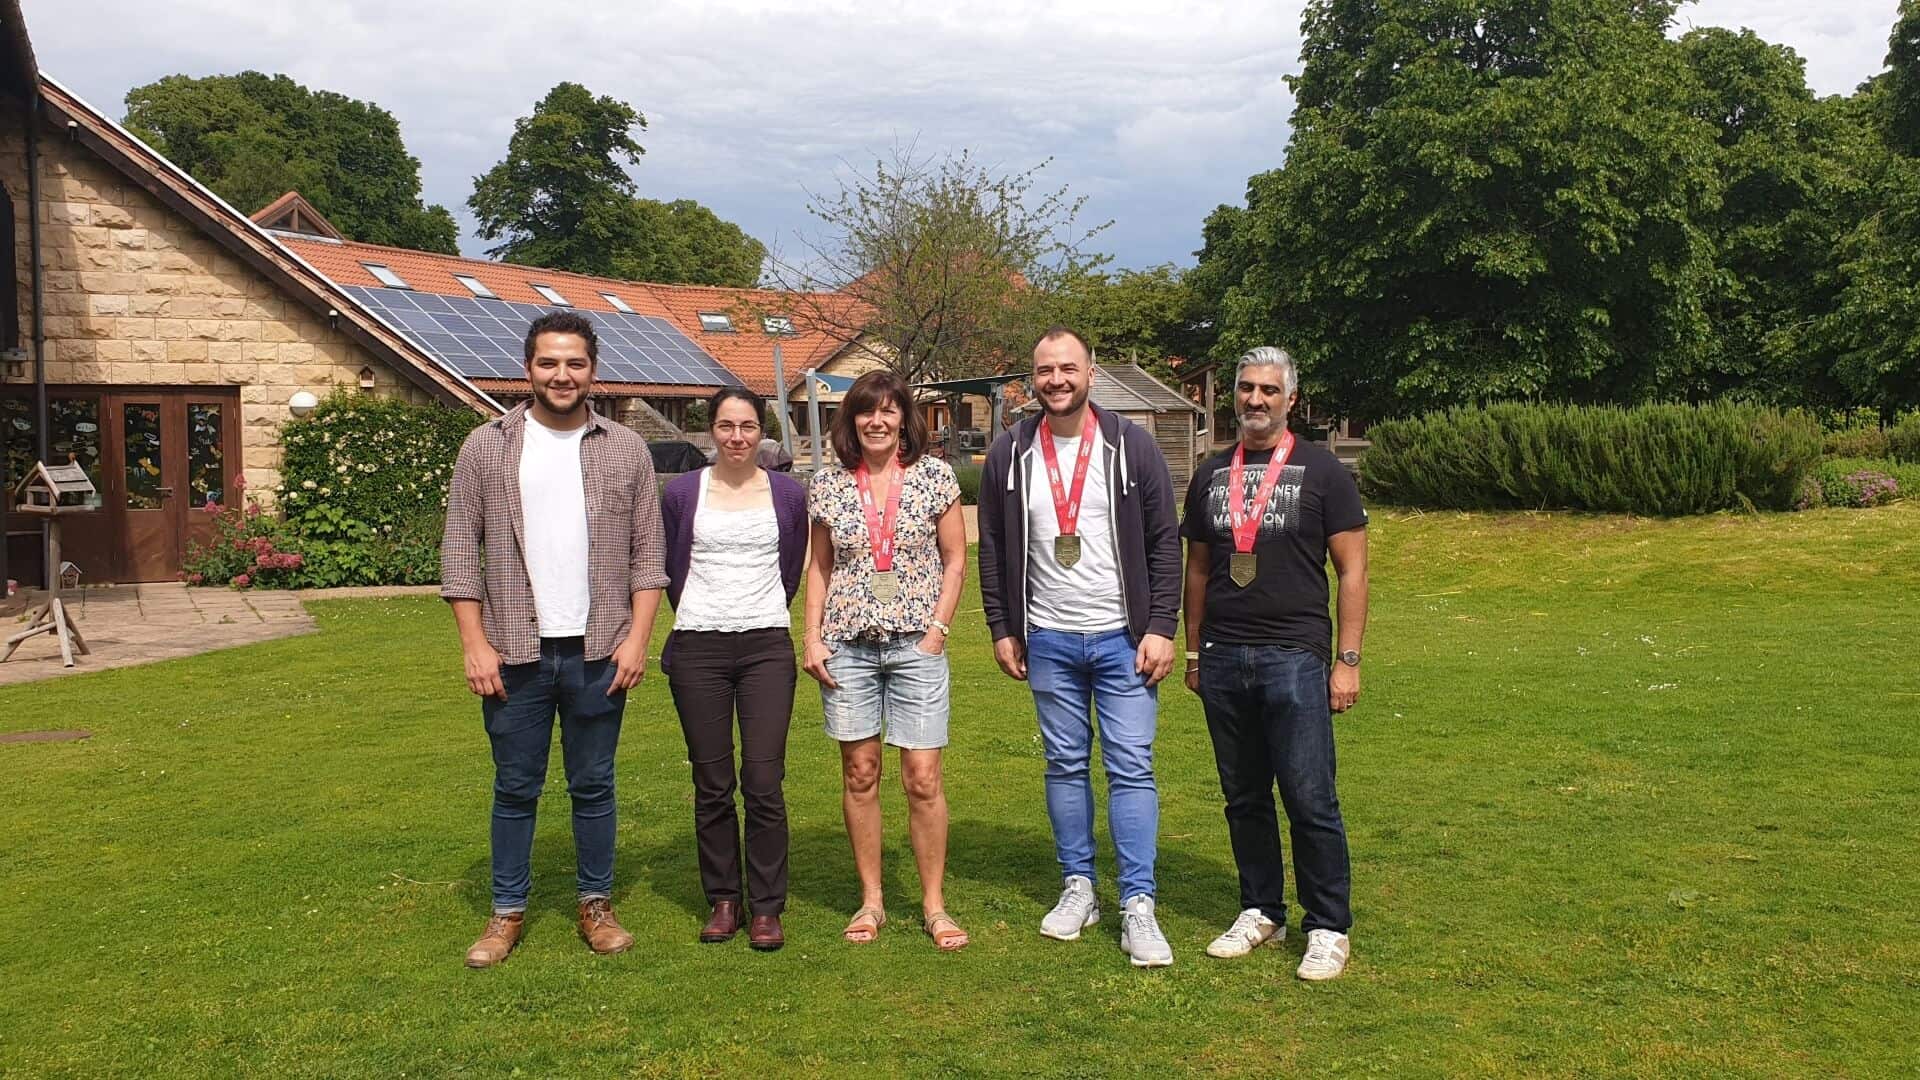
pixel 1350 657
pixel 945 630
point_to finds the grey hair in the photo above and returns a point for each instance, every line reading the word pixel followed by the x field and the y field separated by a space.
pixel 1270 356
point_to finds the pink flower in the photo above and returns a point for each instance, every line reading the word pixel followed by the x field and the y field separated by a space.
pixel 239 483
pixel 253 510
pixel 196 579
pixel 241 581
pixel 211 507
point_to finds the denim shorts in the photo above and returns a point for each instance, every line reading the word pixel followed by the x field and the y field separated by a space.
pixel 887 685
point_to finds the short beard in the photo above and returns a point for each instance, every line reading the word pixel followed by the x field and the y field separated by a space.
pixel 1258 423
pixel 579 402
pixel 1073 404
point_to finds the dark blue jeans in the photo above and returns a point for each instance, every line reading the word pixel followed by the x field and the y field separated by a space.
pixel 1268 714
pixel 521 729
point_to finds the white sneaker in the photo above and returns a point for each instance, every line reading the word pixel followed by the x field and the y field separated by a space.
pixel 1140 935
pixel 1248 932
pixel 1076 911
pixel 1326 958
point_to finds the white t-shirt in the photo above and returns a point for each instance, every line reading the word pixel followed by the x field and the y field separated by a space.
pixel 553 510
pixel 1084 598
pixel 733 573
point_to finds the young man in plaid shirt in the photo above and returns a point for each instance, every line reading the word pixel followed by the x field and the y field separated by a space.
pixel 554 561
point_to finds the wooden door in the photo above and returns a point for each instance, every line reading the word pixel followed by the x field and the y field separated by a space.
pixel 147 443
pixel 170 454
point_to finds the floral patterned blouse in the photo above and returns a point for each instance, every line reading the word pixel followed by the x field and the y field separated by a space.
pixel 927 489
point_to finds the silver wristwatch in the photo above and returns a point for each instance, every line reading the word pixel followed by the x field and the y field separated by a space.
pixel 1350 657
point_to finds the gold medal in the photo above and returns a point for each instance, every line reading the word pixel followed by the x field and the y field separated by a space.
pixel 1241 567
pixel 1066 549
pixel 885 585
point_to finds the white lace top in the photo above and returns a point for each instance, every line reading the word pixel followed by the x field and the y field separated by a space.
pixel 733 572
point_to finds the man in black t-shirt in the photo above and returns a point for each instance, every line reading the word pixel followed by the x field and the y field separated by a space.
pixel 1261 522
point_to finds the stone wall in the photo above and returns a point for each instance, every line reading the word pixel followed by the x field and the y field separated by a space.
pixel 136 294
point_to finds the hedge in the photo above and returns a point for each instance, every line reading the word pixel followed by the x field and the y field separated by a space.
pixel 1660 460
pixel 1903 439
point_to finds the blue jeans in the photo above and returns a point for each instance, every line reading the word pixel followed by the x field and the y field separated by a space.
pixel 1268 714
pixel 521 729
pixel 1075 677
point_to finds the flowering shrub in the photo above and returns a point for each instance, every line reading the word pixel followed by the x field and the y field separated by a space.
pixel 1863 482
pixel 248 547
pixel 380 462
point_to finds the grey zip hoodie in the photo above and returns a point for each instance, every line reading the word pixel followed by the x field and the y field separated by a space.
pixel 1146 528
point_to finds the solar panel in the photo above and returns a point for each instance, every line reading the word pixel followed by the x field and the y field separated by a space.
pixel 482 339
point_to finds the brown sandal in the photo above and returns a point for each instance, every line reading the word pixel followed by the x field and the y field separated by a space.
pixel 865 925
pixel 950 938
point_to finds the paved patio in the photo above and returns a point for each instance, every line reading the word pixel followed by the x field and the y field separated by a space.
pixel 138 624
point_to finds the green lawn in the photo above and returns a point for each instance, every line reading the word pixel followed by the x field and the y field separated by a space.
pixel 1625 796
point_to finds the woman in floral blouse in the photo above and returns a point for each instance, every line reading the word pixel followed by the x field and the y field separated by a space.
pixel 889 558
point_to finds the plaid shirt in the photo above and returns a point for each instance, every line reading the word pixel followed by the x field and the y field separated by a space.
pixel 482 555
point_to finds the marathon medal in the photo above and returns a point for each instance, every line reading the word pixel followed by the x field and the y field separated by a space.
pixel 1244 518
pixel 1242 566
pixel 884 583
pixel 1066 549
pixel 1066 504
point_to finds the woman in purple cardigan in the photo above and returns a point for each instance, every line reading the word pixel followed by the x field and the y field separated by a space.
pixel 736 543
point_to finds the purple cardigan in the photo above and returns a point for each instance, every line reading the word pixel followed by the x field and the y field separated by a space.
pixel 682 497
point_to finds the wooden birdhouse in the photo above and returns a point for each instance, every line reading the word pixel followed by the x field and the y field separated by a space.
pixel 52 489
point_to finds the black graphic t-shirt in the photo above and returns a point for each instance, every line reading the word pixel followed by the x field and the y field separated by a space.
pixel 1286 604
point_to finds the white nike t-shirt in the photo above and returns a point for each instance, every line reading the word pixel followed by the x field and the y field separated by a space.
pixel 553 508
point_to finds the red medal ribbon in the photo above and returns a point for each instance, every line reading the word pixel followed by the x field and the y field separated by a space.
pixel 880 524
pixel 1246 518
pixel 1066 507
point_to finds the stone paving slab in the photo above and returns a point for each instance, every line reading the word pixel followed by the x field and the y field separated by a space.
pixel 139 624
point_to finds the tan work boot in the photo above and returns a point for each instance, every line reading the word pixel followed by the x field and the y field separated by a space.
pixel 502 934
pixel 603 932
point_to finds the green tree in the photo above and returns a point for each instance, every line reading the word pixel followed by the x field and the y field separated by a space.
pixel 1790 174
pixel 562 196
pixel 1148 316
pixel 1480 200
pixel 684 243
pixel 253 137
pixel 938 267
pixel 1901 90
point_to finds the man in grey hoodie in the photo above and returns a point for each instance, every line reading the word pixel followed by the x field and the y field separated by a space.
pixel 1080 576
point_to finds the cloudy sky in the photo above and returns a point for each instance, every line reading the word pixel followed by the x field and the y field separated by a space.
pixel 1157 112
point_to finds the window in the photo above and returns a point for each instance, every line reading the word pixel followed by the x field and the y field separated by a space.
pixel 385 276
pixel 76 437
pixel 206 456
pixel 619 305
pixel 716 322
pixel 475 286
pixel 550 296
pixel 776 324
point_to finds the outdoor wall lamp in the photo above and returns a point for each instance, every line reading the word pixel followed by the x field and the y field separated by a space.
pixel 301 403
pixel 333 318
pixel 73 130
pixel 15 363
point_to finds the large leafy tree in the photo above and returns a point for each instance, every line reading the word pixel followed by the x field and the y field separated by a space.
pixel 1792 181
pixel 1874 328
pixel 938 267
pixel 1480 199
pixel 682 242
pixel 1148 316
pixel 562 197
pixel 252 137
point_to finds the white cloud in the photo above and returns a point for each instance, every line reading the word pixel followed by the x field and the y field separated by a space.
pixel 1158 112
